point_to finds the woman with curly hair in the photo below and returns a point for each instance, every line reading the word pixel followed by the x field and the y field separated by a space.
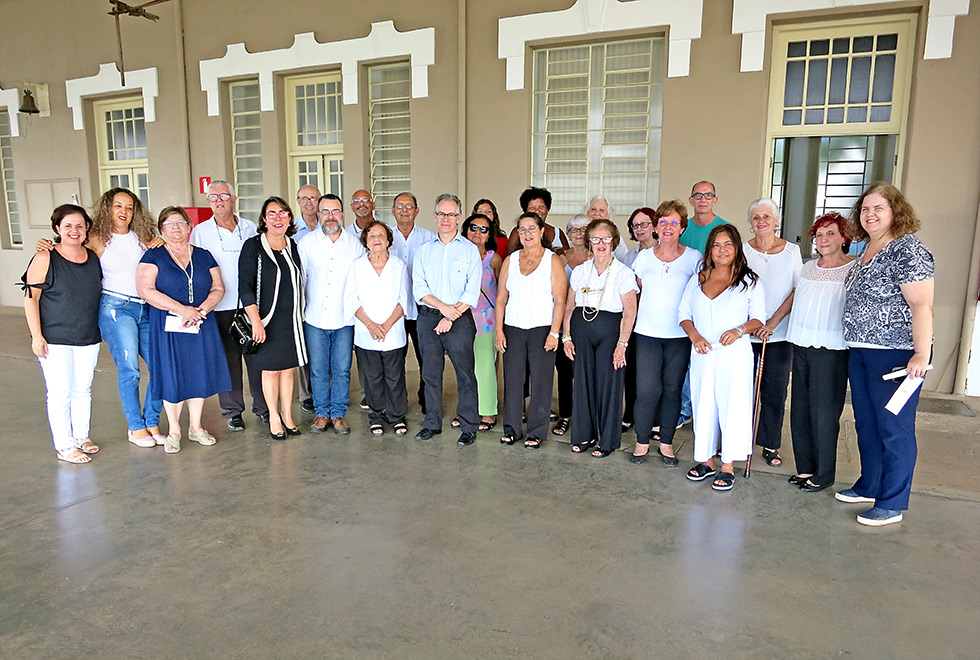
pixel 887 326
pixel 122 231
pixel 722 305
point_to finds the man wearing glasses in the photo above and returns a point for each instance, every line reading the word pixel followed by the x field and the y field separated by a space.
pixel 362 204
pixel 223 236
pixel 408 237
pixel 703 199
pixel 446 277
pixel 327 256
pixel 306 198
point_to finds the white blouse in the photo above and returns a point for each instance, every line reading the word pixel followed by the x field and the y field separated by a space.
pixel 530 298
pixel 663 285
pixel 818 307
pixel 603 292
pixel 378 295
pixel 733 307
pixel 779 272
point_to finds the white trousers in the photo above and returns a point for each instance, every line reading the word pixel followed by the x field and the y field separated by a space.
pixel 68 373
pixel 721 398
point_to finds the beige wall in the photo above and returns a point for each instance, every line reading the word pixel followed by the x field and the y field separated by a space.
pixel 714 123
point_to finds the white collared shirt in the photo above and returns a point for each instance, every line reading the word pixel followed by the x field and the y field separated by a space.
pixel 225 246
pixel 405 249
pixel 377 295
pixel 603 292
pixel 326 264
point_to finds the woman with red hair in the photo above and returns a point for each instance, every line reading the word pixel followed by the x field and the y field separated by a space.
pixel 819 355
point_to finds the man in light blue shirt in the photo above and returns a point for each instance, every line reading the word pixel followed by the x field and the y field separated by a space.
pixel 307 222
pixel 446 277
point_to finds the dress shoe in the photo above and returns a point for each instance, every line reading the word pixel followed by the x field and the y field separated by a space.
pixel 307 406
pixel 236 423
pixel 293 431
pixel 262 417
pixel 319 424
pixel 340 426
pixel 466 439
pixel 427 434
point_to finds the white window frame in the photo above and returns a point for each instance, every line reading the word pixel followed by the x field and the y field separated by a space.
pixel 590 125
pixel 13 237
pixel 321 165
pixel 124 173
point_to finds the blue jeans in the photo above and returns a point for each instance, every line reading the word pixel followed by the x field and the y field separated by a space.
pixel 125 326
pixel 686 409
pixel 330 357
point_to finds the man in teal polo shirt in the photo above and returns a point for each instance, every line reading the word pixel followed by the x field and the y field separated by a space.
pixel 703 199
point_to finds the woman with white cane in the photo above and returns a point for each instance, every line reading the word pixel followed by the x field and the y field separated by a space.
pixel 721 306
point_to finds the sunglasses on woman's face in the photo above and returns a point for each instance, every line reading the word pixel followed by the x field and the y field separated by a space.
pixel 483 229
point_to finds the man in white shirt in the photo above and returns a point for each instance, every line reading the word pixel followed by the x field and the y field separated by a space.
pixel 446 278
pixel 362 205
pixel 222 235
pixel 327 256
pixel 408 237
pixel 307 198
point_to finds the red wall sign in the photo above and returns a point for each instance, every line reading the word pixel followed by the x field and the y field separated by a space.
pixel 205 182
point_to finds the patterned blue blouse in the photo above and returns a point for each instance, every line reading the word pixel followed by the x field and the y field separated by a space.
pixel 875 311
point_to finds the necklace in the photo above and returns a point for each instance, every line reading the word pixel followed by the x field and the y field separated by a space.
pixel 590 314
pixel 189 276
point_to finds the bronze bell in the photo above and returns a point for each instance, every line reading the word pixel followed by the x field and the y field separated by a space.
pixel 28 105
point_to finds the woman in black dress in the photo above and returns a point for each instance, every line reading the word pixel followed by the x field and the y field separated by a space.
pixel 270 284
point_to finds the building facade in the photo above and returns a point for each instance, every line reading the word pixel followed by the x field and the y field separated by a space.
pixel 806 102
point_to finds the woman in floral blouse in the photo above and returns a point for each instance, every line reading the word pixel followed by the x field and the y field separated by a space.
pixel 887 326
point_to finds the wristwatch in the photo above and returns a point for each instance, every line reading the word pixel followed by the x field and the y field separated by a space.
pixel 553 334
pixel 624 344
pixel 566 338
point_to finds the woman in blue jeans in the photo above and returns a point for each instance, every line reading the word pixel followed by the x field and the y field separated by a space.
pixel 121 232
pixel 887 326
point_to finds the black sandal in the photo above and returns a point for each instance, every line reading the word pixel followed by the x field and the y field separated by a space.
pixel 772 456
pixel 377 429
pixel 507 439
pixel 486 426
pixel 583 447
pixel 400 428
pixel 532 443
pixel 639 459
pixel 669 461
pixel 454 423
pixel 561 428
pixel 726 479
pixel 600 453
pixel 700 472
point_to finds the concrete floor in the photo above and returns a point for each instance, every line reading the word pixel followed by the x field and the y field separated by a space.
pixel 358 547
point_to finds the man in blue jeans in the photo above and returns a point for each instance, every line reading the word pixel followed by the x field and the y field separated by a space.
pixel 327 256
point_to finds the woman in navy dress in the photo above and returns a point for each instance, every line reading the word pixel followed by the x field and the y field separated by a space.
pixel 187 360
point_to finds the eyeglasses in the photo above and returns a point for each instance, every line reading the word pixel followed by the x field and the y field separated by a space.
pixel 214 197
pixel 404 207
pixel 331 211
pixel 595 240
pixel 441 215
pixel 305 200
pixel 642 225
pixel 281 214
pixel 174 223
pixel 527 230
pixel 361 200
pixel 699 195
pixel 483 229
pixel 577 230
pixel 667 223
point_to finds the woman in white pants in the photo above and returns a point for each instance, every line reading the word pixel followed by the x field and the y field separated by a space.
pixel 721 306
pixel 63 287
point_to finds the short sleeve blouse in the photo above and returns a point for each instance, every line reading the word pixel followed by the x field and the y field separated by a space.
pixel 603 292
pixel 815 321
pixel 663 285
pixel 875 310
pixel 779 273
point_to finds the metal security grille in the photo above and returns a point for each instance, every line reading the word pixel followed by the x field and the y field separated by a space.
pixel 389 134
pixel 246 140
pixel 7 181
pixel 597 122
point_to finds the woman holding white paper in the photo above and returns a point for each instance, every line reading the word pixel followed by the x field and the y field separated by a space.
pixel 887 326
pixel 187 361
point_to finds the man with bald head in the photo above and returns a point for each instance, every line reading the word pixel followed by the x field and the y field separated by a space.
pixel 362 204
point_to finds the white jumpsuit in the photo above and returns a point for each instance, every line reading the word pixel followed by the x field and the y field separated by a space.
pixel 721 380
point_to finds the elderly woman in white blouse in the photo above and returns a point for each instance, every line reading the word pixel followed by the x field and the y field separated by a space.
pixel 778 264
pixel 600 308
pixel 816 333
pixel 377 294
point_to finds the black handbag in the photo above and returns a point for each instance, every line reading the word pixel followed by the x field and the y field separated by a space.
pixel 241 325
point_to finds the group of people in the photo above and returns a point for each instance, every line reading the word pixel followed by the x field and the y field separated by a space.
pixel 685 318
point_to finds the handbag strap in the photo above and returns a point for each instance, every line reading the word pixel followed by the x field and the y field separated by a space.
pixel 258 287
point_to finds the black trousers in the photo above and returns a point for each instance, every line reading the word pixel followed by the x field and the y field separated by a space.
pixel 525 354
pixel 597 413
pixel 661 368
pixel 411 327
pixel 458 345
pixel 630 384
pixel 566 376
pixel 819 386
pixel 772 392
pixel 383 374
pixel 233 402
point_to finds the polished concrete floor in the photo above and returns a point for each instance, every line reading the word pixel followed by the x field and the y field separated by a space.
pixel 357 547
